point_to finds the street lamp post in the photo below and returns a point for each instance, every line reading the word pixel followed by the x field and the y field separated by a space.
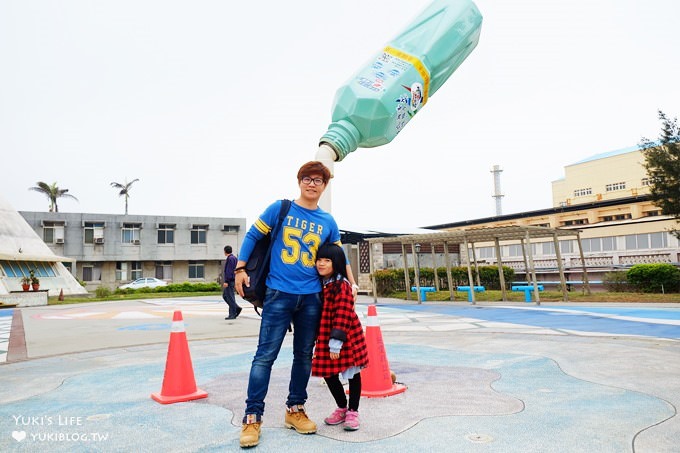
pixel 417 272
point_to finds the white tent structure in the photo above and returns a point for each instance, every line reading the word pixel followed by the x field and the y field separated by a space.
pixel 22 250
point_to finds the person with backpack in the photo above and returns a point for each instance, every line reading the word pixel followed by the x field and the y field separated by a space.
pixel 292 297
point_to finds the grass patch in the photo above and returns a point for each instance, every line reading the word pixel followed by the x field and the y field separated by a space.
pixel 545 296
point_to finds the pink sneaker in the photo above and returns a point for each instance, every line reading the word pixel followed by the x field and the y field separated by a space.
pixel 337 417
pixel 351 421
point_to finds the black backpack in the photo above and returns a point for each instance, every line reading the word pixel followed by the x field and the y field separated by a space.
pixel 257 265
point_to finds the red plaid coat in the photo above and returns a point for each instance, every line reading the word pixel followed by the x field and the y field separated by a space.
pixel 340 321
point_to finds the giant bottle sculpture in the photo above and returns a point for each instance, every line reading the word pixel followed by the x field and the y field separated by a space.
pixel 379 100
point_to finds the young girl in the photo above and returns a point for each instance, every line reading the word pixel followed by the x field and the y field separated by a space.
pixel 340 345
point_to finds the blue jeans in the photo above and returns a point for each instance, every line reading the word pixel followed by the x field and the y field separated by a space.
pixel 280 310
pixel 230 298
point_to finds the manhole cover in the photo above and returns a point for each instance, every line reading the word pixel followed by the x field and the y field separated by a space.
pixel 479 438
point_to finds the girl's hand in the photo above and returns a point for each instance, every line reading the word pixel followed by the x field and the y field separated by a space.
pixel 335 355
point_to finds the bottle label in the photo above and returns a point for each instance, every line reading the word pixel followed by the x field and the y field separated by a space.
pixel 403 78
pixel 418 66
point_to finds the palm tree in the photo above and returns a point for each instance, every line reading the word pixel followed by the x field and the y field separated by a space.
pixel 124 190
pixel 52 192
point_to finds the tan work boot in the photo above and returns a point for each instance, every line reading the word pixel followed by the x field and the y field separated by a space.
pixel 297 419
pixel 250 432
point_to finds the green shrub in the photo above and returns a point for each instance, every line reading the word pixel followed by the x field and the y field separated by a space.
pixel 185 287
pixel 616 282
pixel 654 278
pixel 102 291
pixel 389 281
pixel 488 276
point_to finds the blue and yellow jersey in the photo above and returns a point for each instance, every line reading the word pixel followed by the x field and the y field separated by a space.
pixel 292 268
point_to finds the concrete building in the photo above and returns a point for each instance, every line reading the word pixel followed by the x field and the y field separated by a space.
pixel 605 198
pixel 23 251
pixel 109 250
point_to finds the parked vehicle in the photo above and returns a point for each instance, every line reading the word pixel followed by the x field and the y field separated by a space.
pixel 146 282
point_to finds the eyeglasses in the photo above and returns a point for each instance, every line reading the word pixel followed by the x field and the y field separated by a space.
pixel 317 181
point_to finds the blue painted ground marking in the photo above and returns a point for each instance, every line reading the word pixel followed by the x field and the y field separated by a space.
pixel 654 313
pixel 7 312
pixel 114 402
pixel 562 320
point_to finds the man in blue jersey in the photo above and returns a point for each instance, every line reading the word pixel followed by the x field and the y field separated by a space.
pixel 293 296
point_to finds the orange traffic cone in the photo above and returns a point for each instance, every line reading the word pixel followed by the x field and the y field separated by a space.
pixel 376 378
pixel 178 382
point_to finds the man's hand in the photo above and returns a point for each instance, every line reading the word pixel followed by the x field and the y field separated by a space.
pixel 242 278
pixel 335 355
pixel 225 285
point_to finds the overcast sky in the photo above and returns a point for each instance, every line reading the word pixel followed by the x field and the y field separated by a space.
pixel 214 105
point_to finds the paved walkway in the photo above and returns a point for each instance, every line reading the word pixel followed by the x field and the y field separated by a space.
pixel 483 378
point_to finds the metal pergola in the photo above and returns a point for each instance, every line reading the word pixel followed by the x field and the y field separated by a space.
pixel 468 238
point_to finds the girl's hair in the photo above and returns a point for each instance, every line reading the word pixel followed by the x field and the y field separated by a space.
pixel 336 254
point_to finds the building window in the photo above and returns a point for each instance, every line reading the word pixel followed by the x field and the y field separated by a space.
pixel 646 241
pixel 514 250
pixel 645 182
pixel 135 270
pixel 658 240
pixel 547 248
pixel 24 268
pixel 608 244
pixel 53 232
pixel 131 233
pixel 164 270
pixel 567 246
pixel 128 271
pixel 592 245
pixel 121 271
pixel 92 272
pixel 166 233
pixel 615 186
pixel 636 241
pixel 196 269
pixel 87 273
pixel 651 213
pixel 583 192
pixel 94 232
pixel 230 228
pixel 611 218
pixel 575 222
pixel 484 252
pixel 199 234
